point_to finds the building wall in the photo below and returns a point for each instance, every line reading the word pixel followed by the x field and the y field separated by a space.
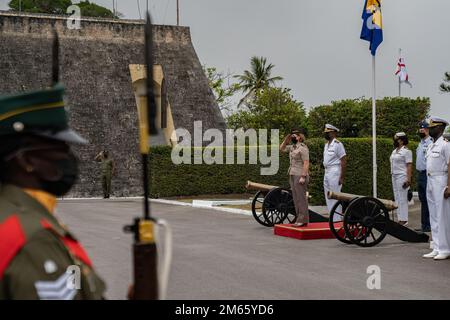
pixel 95 70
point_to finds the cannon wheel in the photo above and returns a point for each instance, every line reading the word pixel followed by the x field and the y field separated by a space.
pixel 365 221
pixel 337 227
pixel 257 213
pixel 278 207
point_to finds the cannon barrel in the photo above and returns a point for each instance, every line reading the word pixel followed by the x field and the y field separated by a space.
pixel 347 197
pixel 258 186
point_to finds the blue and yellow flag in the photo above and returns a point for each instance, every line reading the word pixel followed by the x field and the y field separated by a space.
pixel 372 29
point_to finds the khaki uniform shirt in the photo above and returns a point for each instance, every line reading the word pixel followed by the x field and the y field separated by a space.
pixel 39 258
pixel 297 154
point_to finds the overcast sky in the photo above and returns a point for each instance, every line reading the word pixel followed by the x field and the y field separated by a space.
pixel 315 44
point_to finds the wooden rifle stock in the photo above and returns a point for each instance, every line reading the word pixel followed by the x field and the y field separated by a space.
pixel 145 271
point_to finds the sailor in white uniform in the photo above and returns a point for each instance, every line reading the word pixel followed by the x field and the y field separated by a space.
pixel 438 189
pixel 334 162
pixel 401 170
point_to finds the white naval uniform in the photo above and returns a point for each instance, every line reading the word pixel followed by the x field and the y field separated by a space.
pixel 333 152
pixel 438 157
pixel 399 170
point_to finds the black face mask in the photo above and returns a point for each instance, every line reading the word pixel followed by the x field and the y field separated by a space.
pixel 294 140
pixel 435 132
pixel 327 136
pixel 69 169
pixel 422 135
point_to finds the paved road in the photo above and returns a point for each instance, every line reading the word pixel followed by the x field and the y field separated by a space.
pixel 226 256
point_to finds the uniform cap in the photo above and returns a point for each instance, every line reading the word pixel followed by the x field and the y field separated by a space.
pixel 435 121
pixel 298 131
pixel 399 135
pixel 330 128
pixel 423 124
pixel 40 113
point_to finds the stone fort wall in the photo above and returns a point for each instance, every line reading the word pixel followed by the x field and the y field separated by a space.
pixel 94 68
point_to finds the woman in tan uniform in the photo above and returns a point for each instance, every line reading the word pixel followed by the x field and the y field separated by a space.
pixel 298 173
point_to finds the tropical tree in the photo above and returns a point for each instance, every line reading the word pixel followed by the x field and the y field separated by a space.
pixel 256 79
pixel 273 108
pixel 41 6
pixel 88 9
pixel 222 87
pixel 445 86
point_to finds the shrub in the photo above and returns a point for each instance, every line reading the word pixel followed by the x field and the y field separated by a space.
pixel 169 179
pixel 354 117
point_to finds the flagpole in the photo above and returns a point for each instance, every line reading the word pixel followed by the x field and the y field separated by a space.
pixel 374 129
pixel 399 79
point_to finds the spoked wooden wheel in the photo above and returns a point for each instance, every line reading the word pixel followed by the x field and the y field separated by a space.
pixel 278 206
pixel 336 222
pixel 291 215
pixel 257 209
pixel 365 221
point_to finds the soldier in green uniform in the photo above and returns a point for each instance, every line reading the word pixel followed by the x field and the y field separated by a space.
pixel 107 171
pixel 39 257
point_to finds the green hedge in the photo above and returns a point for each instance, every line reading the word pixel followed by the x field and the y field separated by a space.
pixel 354 117
pixel 185 180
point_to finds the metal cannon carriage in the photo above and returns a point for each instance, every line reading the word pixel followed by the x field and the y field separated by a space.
pixel 273 205
pixel 354 219
pixel 365 221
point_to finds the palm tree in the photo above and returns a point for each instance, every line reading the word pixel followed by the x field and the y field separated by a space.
pixel 257 78
pixel 445 86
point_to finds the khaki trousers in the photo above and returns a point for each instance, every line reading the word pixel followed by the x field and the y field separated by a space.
pixel 300 198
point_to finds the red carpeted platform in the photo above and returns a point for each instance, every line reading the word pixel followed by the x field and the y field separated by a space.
pixel 312 231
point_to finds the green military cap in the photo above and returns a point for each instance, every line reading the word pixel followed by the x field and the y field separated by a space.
pixel 40 113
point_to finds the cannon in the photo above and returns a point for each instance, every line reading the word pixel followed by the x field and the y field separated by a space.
pixel 365 221
pixel 273 205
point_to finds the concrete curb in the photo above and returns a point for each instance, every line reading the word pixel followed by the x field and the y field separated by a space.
pixel 164 201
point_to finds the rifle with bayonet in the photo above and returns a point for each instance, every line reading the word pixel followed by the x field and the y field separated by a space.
pixel 145 255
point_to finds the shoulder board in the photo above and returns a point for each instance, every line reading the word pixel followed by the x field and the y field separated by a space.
pixel 337 141
pixel 12 239
pixel 72 245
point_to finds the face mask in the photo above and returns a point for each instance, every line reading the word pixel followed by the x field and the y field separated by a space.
pixel 69 174
pixel 422 135
pixel 327 136
pixel 435 132
pixel 294 140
